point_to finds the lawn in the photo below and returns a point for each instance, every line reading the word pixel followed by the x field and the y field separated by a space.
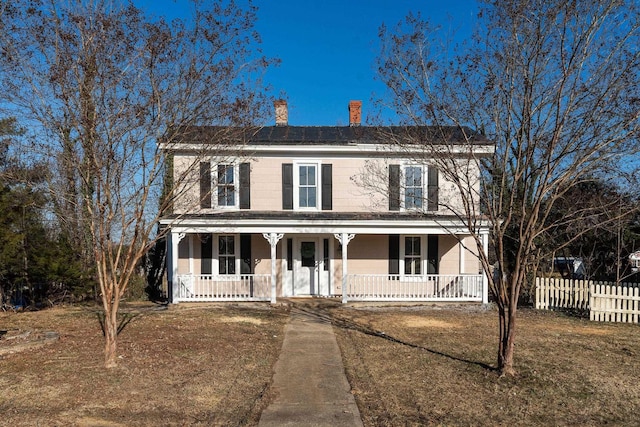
pixel 423 365
pixel 433 366
pixel 182 366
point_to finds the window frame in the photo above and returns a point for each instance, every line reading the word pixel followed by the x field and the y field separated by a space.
pixel 235 185
pixel 422 257
pixel 234 256
pixel 316 164
pixel 419 206
pixel 404 187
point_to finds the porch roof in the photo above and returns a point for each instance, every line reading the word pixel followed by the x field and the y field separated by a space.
pixel 322 222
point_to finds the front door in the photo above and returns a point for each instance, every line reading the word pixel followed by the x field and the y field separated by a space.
pixel 306 273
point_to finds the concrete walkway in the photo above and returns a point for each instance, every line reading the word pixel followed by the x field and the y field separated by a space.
pixel 309 382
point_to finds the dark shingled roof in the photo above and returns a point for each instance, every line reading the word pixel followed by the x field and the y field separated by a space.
pixel 335 135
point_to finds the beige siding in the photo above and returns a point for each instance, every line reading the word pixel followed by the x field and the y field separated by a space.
pixel 471 262
pixel 266 184
pixel 183 255
pixel 450 195
pixel 449 255
pixel 359 185
pixel 187 184
pixel 261 254
pixel 368 254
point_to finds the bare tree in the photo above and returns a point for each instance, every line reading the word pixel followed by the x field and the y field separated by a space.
pixel 105 85
pixel 555 85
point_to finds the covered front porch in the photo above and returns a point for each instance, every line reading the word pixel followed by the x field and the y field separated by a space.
pixel 262 261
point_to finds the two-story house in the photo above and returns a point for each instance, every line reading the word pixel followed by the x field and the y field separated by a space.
pixel 329 211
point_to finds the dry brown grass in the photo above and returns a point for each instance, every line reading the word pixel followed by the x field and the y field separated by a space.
pixel 429 366
pixel 411 366
pixel 185 366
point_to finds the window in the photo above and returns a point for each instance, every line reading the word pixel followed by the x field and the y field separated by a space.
pixel 413 187
pixel 412 256
pixel 226 255
pixel 307 186
pixel 226 185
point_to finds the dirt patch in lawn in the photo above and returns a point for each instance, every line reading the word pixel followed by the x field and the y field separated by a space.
pixel 434 367
pixel 422 322
pixel 196 366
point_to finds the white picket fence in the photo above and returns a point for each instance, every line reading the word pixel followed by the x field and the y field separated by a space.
pixel 606 302
pixel 615 303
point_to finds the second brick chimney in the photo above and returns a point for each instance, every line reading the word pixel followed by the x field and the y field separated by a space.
pixel 355 113
pixel 282 114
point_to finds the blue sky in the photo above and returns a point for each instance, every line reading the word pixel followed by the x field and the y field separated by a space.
pixel 328 48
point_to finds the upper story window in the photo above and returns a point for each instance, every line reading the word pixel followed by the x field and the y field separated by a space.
pixel 307 186
pixel 226 185
pixel 232 185
pixel 413 187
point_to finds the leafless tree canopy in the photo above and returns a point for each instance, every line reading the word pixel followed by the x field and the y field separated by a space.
pixel 100 84
pixel 555 85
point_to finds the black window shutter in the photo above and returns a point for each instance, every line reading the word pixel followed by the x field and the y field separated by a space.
pixel 245 186
pixel 206 254
pixel 394 254
pixel 432 189
pixel 205 184
pixel 432 255
pixel 394 188
pixel 290 254
pixel 245 254
pixel 327 196
pixel 287 186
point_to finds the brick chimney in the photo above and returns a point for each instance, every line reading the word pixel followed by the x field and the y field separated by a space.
pixel 282 114
pixel 355 113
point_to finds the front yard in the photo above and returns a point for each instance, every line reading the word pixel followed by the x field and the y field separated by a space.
pixel 429 366
pixel 185 366
pixel 212 365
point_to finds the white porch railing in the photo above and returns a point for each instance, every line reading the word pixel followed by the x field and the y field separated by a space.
pixel 240 287
pixel 431 287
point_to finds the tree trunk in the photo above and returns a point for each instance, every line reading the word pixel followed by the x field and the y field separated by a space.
pixel 507 339
pixel 110 337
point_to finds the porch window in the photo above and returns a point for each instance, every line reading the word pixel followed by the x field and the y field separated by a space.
pixel 226 187
pixel 226 255
pixel 412 256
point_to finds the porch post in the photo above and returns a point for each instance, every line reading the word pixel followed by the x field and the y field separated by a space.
pixel 174 241
pixel 344 240
pixel 461 257
pixel 273 240
pixel 485 279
